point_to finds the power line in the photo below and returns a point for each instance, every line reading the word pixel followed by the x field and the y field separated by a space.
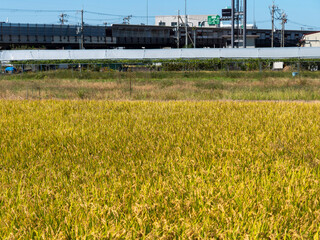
pixel 103 19
pixel 34 10
pixel 117 18
pixel 69 11
pixel 263 21
pixel 104 14
pixel 116 15
pixel 304 25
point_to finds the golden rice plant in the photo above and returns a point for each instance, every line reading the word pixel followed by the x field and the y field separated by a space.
pixel 159 170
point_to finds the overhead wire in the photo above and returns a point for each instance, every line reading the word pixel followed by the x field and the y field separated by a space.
pixel 117 18
pixel 34 10
pixel 111 15
pixel 115 15
pixel 303 25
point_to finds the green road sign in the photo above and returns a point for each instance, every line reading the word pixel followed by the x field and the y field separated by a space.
pixel 214 20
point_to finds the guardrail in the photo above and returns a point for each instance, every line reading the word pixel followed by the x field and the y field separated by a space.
pixel 146 54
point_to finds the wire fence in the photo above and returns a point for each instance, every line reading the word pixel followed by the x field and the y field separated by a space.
pixel 214 65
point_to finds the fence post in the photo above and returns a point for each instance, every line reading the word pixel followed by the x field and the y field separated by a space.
pixel 226 68
pixel 130 82
pixel 119 76
pixel 260 67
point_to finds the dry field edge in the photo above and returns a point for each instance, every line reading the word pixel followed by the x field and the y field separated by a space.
pixel 161 86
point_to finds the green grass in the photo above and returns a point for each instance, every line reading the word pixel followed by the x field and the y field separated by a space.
pixel 156 75
pixel 169 170
pixel 68 85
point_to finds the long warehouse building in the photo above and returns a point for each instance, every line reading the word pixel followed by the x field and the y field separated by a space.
pixel 20 36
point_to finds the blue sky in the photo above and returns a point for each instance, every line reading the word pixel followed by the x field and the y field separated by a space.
pixel 301 14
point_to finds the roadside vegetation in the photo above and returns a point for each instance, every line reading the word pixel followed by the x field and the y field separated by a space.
pixel 161 85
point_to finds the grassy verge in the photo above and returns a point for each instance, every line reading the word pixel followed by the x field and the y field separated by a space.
pixel 170 170
pixel 161 86
pixel 154 75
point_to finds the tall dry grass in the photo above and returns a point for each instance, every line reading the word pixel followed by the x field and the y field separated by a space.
pixel 137 87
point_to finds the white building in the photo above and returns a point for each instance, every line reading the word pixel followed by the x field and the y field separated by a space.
pixel 193 21
pixel 311 40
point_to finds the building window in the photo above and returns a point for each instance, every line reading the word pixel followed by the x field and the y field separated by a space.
pixel 162 23
pixel 174 24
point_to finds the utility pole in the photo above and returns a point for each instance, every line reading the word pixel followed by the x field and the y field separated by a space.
pixel 272 31
pixel 238 21
pixel 62 18
pixel 244 23
pixel 147 12
pixel 284 21
pixel 82 30
pixel 106 24
pixel 178 30
pixel 126 20
pixel 194 37
pixel 238 17
pixel 232 22
pixel 254 15
pixel 186 24
pixel 274 10
pixel 275 15
pixel 187 33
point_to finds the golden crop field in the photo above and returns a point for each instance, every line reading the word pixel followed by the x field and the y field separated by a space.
pixel 159 170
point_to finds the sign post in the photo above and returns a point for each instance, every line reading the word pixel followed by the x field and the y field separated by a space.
pixel 213 20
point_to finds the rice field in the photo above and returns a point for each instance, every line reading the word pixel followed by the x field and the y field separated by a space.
pixel 159 170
